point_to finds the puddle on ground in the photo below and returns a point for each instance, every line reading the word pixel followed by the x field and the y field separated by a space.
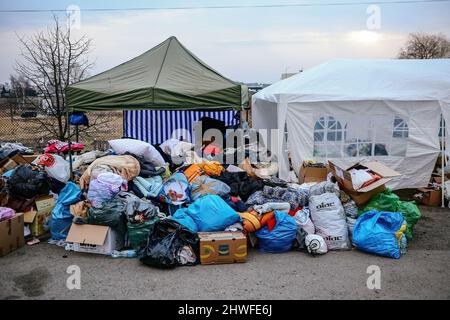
pixel 32 284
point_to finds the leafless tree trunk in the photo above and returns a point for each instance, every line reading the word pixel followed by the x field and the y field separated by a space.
pixel 425 46
pixel 51 61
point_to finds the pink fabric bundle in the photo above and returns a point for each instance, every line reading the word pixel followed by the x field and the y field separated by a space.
pixel 6 213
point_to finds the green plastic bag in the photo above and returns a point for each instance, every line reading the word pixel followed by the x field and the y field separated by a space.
pixel 389 201
pixel 411 213
pixel 384 201
pixel 138 232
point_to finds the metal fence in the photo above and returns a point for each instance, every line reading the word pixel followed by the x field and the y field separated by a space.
pixel 35 131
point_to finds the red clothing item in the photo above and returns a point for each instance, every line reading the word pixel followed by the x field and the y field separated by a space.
pixel 211 150
pixel 293 212
pixel 375 177
pixel 269 220
pixel 56 146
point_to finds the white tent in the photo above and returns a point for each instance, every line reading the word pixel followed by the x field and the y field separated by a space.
pixel 387 110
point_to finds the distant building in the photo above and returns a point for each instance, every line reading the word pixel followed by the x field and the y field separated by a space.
pixel 5 93
pixel 255 87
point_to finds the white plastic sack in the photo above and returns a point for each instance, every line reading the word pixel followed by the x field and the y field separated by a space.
pixel 447 190
pixel 55 166
pixel 324 187
pixel 176 148
pixel 350 226
pixel 302 219
pixel 139 148
pixel 315 244
pixel 328 217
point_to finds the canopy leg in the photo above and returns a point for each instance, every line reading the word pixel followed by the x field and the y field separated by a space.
pixel 443 162
pixel 70 144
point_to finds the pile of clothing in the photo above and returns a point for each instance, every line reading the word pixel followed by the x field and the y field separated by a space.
pixel 158 198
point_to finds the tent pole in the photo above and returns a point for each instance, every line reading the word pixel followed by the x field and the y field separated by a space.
pixel 70 144
pixel 442 161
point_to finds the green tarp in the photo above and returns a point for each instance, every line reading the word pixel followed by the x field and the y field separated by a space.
pixel 167 76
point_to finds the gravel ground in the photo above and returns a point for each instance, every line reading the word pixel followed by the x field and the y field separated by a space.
pixel 39 272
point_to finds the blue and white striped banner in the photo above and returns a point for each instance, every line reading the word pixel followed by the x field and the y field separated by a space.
pixel 156 126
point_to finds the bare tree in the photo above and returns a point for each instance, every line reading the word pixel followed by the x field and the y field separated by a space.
pixel 425 46
pixel 51 61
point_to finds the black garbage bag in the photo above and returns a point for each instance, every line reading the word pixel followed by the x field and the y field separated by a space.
pixel 166 239
pixel 27 183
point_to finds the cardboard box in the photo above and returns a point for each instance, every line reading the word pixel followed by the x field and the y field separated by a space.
pixel 312 174
pixel 7 164
pixel 19 159
pixel 45 204
pixel 39 219
pixel 222 247
pixel 361 196
pixel 431 197
pixel 39 222
pixel 30 158
pixel 94 239
pixel 11 234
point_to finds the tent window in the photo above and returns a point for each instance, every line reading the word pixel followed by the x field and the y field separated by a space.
pixel 328 132
pixel 359 136
pixel 400 128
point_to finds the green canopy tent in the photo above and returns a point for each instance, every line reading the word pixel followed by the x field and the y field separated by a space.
pixel 167 77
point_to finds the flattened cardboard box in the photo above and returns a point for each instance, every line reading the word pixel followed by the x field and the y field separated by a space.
pixel 311 174
pixel 11 234
pixel 93 239
pixel 222 247
pixel 361 196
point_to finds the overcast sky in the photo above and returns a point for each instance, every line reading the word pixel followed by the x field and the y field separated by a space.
pixel 245 44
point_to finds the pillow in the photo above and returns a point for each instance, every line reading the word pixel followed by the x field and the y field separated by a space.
pixel 139 148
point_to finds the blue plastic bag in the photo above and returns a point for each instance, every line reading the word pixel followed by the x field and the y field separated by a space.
pixel 79 119
pixel 281 237
pixel 374 232
pixel 185 220
pixel 212 213
pixel 61 216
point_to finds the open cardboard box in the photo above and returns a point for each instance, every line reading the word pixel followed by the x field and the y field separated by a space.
pixel 12 162
pixel 361 196
pixel 39 219
pixel 94 239
pixel 312 174
pixel 431 197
